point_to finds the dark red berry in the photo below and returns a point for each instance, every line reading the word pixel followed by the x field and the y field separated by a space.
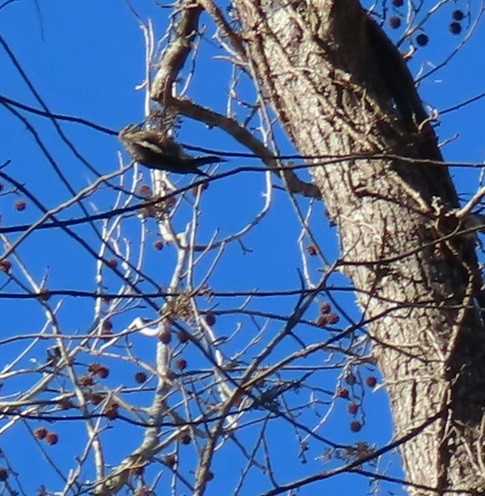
pixel 20 205
pixel 311 250
pixel 52 438
pixel 322 320
pixel 112 262
pixel 455 28
pixel 44 294
pixel 107 326
pixel 210 318
pixel 111 410
pixel 165 336
pixel 102 372
pixel 422 39
pixel 40 432
pixel 355 426
pixel 395 22
pixel 170 459
pixel 185 438
pixel 140 377
pixel 342 392
pixel 181 363
pixel 145 191
pixel 371 381
pixel 98 369
pixel 350 378
pixel 5 265
pixel 458 15
pixel 86 380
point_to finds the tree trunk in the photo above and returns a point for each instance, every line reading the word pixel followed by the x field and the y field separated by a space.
pixel 340 88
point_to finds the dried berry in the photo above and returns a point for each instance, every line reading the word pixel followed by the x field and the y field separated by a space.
pixel 422 39
pixel 103 372
pixel 350 378
pixel 322 320
pixel 99 370
pixel 112 262
pixel 355 426
pixel 332 318
pixel 342 392
pixel 371 381
pixel 455 28
pixel 52 438
pixel 158 245
pixel 107 325
pixel 111 410
pixel 185 438
pixel 44 294
pixel 92 367
pixel 86 380
pixel 170 459
pixel 140 377
pixel 458 15
pixel 40 432
pixel 145 191
pixel 395 22
pixel 325 307
pixel 20 205
pixel 311 250
pixel 210 318
pixel 165 336
pixel 5 265
pixel 181 363
pixel 352 408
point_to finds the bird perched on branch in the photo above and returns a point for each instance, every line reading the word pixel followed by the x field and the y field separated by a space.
pixel 157 151
pixel 400 88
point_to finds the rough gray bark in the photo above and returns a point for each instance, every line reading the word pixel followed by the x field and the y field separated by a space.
pixel 316 63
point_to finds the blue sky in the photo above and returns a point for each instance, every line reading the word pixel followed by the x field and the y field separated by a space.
pixel 85 59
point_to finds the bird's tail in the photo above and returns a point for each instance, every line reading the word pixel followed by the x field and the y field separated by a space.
pixel 208 159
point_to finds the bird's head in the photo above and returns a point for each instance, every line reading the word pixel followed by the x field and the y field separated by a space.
pixel 129 130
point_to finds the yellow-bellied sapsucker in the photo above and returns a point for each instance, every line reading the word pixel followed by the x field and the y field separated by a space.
pixel 161 152
pixel 395 73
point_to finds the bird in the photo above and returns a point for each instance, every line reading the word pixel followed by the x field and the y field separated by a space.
pixel 156 151
pixel 395 74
